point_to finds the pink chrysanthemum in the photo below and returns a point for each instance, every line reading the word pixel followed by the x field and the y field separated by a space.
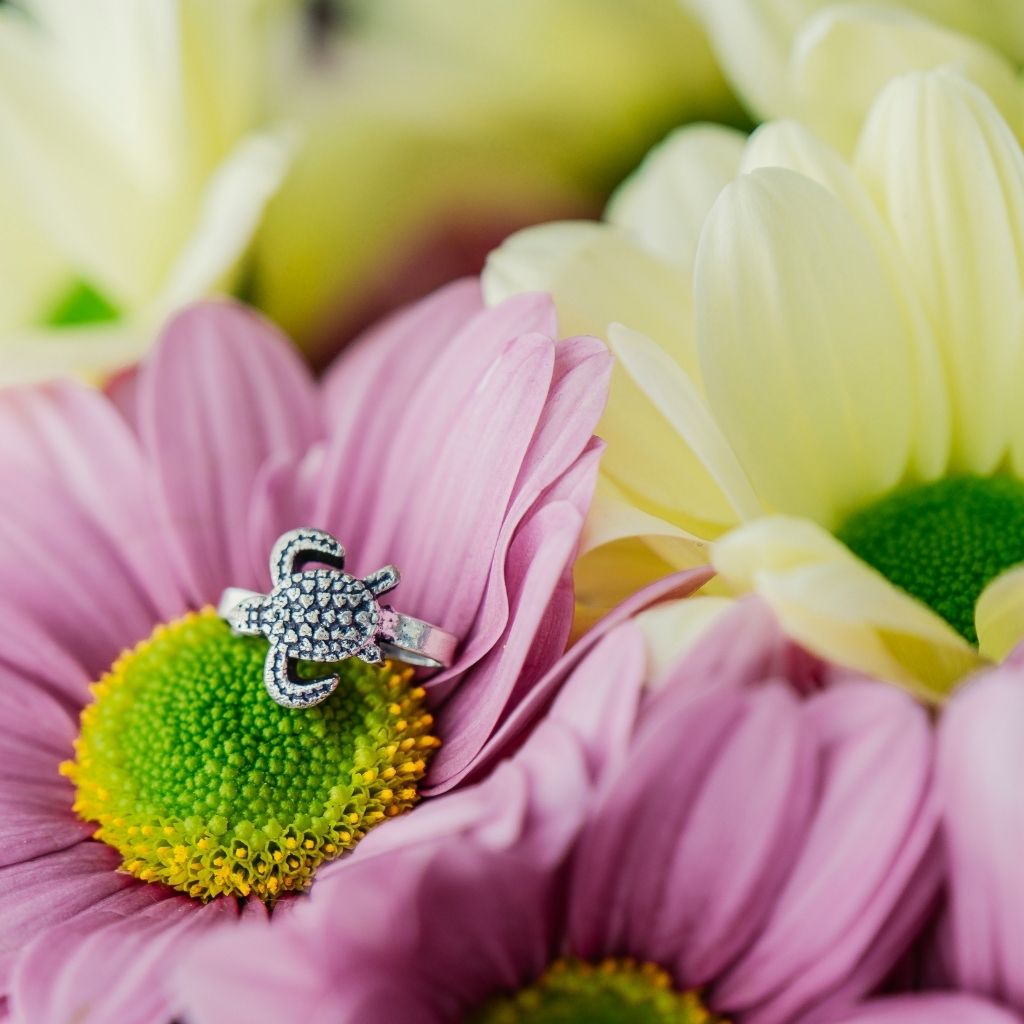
pixel 981 765
pixel 455 442
pixel 750 842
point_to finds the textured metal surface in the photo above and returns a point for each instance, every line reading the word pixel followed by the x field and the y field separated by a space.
pixel 326 615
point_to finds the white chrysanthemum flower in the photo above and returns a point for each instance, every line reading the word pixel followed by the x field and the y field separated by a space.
pixel 824 62
pixel 819 380
pixel 135 162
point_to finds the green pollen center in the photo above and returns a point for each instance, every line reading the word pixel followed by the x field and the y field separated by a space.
pixel 616 991
pixel 202 782
pixel 943 542
pixel 82 304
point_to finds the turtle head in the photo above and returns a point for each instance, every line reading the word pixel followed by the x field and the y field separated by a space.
pixel 242 609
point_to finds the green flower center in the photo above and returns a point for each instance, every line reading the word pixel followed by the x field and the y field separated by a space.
pixel 943 542
pixel 203 783
pixel 82 304
pixel 612 992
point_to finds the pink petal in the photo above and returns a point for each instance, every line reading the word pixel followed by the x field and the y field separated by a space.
pixel 840 922
pixel 112 963
pixel 539 699
pixel 980 766
pixel 664 869
pixel 255 974
pixel 374 484
pixel 368 388
pixel 51 890
pixel 601 699
pixel 35 800
pixel 938 1008
pixel 444 541
pixel 540 556
pixel 745 647
pixel 576 400
pixel 81 552
pixel 222 395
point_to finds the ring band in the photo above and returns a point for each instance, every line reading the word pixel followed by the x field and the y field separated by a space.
pixel 327 615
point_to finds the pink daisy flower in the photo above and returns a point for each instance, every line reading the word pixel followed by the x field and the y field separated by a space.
pixel 981 765
pixel 945 1008
pixel 455 442
pixel 750 841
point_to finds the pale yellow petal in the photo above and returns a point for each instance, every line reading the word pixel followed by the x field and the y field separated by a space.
pixel 613 516
pixel 672 628
pixel 654 467
pixel 32 273
pixel 623 549
pixel 792 145
pixel 678 400
pixel 752 40
pixel 232 207
pixel 85 198
pixel 804 356
pixel 999 614
pixel 840 608
pixel 91 352
pixel 597 275
pixel 948 176
pixel 845 56
pixel 666 200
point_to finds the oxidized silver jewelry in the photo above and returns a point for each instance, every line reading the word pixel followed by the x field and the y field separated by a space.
pixel 326 615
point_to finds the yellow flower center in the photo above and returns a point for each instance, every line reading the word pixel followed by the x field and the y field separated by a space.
pixel 203 783
pixel 943 542
pixel 615 991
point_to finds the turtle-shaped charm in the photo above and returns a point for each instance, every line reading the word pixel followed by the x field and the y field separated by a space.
pixel 320 615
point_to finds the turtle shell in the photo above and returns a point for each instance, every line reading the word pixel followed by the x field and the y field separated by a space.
pixel 323 615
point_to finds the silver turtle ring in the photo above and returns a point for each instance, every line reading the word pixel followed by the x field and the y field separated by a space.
pixel 326 615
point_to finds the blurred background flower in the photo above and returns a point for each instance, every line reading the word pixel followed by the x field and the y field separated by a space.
pixel 394 141
pixel 825 62
pixel 432 130
pixel 135 161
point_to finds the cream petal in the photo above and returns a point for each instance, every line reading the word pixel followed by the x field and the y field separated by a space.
pixel 845 56
pixel 666 200
pixel 840 608
pixel 597 275
pixel 231 210
pixel 653 465
pixel 751 39
pixel 613 516
pixel 623 549
pixel 948 176
pixel 677 399
pixel 999 614
pixel 32 274
pixel 83 197
pixel 804 356
pixel 792 145
pixel 91 352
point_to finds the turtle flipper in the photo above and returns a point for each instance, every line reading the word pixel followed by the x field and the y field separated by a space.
pixel 298 548
pixel 383 580
pixel 280 674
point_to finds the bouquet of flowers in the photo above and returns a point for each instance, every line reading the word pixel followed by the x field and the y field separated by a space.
pixel 511 513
